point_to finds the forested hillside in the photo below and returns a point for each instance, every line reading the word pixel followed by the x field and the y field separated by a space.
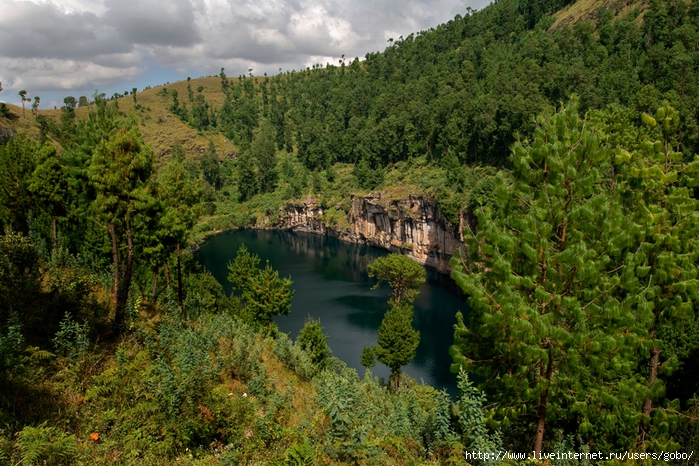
pixel 570 145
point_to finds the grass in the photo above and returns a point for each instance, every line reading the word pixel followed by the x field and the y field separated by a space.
pixel 588 10
pixel 159 127
pixel 18 121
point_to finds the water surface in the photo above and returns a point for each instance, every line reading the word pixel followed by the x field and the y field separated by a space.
pixel 331 284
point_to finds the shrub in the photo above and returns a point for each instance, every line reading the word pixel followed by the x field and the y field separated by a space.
pixel 300 454
pixel 46 446
pixel 312 340
pixel 72 340
pixel 293 357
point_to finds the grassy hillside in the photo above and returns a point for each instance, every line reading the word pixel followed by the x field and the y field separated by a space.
pixel 160 128
pixel 537 116
pixel 588 10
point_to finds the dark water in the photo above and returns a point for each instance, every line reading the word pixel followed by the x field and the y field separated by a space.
pixel 331 284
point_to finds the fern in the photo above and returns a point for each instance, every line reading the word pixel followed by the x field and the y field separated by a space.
pixel 37 354
pixel 300 454
pixel 46 446
pixel 11 346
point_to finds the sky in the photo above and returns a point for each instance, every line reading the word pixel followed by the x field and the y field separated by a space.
pixel 57 48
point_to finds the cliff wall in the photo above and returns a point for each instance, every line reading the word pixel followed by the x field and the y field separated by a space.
pixel 413 226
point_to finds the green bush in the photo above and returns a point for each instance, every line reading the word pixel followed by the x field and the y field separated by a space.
pixel 46 446
pixel 12 345
pixel 294 357
pixel 300 454
pixel 312 340
pixel 72 340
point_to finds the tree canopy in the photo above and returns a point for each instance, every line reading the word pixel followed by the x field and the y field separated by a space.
pixel 403 275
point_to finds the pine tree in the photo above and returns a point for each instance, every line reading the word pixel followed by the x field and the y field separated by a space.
pixel 210 166
pixel 243 269
pixel 49 186
pixel 312 340
pixel 264 150
pixel 180 195
pixel 268 295
pixel 398 340
pixel 120 170
pixel 660 190
pixel 404 276
pixel 550 329
pixel 248 182
pixel 17 162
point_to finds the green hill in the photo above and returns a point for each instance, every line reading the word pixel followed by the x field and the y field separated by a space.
pixel 566 134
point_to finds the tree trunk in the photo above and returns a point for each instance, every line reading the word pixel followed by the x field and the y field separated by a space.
pixel 652 375
pixel 115 260
pixel 155 282
pixel 394 381
pixel 654 364
pixel 179 277
pixel 167 275
pixel 543 402
pixel 54 233
pixel 123 295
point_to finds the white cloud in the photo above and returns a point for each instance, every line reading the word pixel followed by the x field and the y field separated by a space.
pixel 59 74
pixel 69 44
pixel 76 6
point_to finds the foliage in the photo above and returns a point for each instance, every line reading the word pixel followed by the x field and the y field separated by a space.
pixel 557 320
pixel 268 296
pixel 46 445
pixel 263 292
pixel 72 339
pixel 300 454
pixel 312 340
pixel 398 340
pixel 294 357
pixel 471 415
pixel 12 346
pixel 403 275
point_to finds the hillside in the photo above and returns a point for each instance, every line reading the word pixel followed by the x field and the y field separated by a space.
pixel 589 10
pixel 559 139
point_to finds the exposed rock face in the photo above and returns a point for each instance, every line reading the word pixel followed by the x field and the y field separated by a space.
pixel 413 226
pixel 5 135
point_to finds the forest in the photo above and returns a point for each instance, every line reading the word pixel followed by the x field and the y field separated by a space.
pixel 570 147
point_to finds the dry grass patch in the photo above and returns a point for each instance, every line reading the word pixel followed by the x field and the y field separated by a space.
pixel 588 10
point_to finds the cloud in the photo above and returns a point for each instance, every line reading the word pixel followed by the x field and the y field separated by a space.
pixel 154 22
pixel 39 75
pixel 65 44
pixel 29 30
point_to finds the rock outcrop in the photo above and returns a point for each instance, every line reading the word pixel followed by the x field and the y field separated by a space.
pixel 413 226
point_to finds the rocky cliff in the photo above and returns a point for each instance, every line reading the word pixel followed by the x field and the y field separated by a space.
pixel 413 226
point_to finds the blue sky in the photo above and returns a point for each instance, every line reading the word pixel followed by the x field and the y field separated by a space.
pixel 74 47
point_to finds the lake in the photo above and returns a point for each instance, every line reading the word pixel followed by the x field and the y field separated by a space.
pixel 331 284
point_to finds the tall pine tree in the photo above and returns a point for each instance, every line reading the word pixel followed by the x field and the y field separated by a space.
pixel 551 331
pixel 120 173
pixel 660 189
